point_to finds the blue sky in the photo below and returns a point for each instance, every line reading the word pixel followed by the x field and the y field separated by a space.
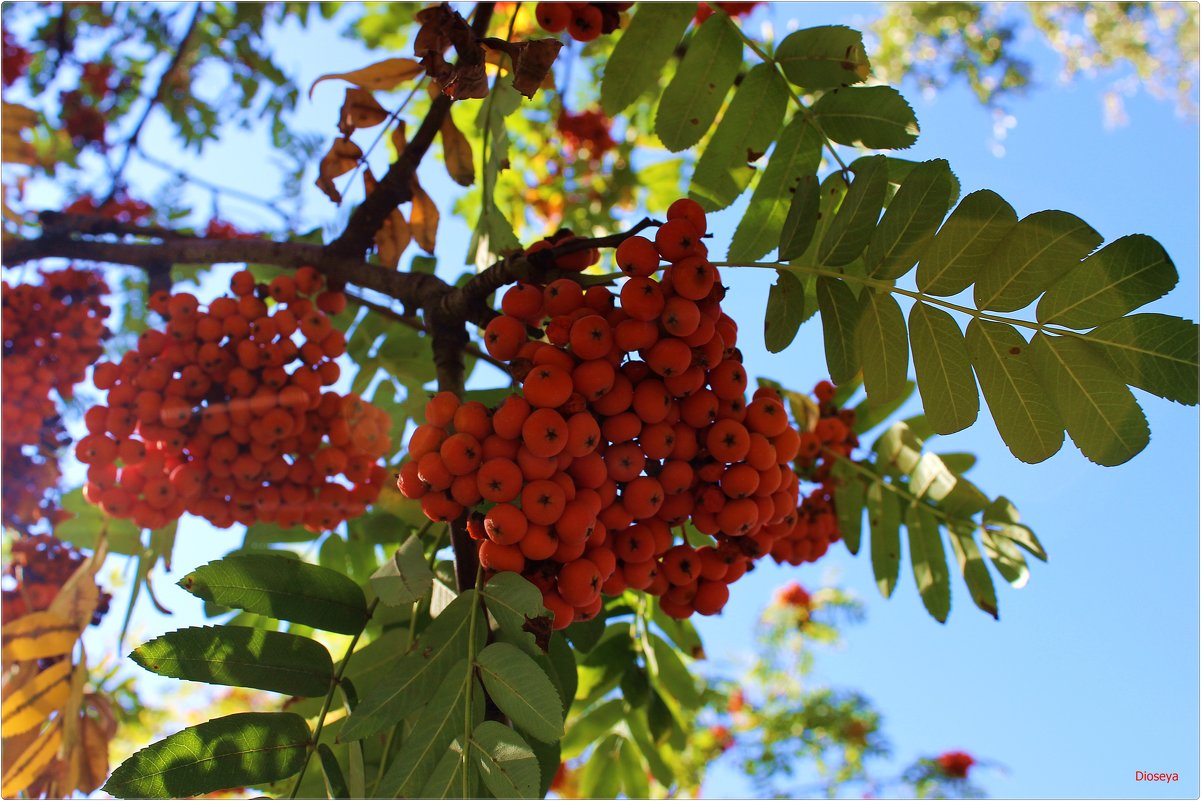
pixel 1092 671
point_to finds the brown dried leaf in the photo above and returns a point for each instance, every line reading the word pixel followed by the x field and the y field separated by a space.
pixel 79 595
pixel 468 82
pixel 456 151
pixel 393 238
pixel 342 157
pixel 16 118
pixel 424 218
pixel 399 140
pixel 383 76
pixel 360 110
pixel 532 61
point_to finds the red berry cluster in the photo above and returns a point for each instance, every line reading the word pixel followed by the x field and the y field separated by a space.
pixel 792 594
pixel 704 11
pixel 631 425
pixel 121 208
pixel 52 332
pixel 587 131
pixel 817 523
pixel 955 764
pixel 222 414
pixel 582 21
pixel 40 565
pixel 221 229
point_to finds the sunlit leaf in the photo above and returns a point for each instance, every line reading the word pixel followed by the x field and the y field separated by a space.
pixel 642 52
pixel 506 762
pixel 964 243
pixel 1032 256
pixel 34 702
pixel 383 76
pixel 1155 352
pixel 691 101
pixel 875 117
pixel 943 369
pixel 823 57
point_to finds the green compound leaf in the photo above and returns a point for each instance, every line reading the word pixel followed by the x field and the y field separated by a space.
pixel 785 311
pixel 852 227
pixel 1154 352
pixel 633 771
pixel 240 657
pixel 875 117
pixel 929 562
pixel 823 57
pixel 883 346
pixel 1006 558
pixel 447 779
pixel 588 728
pixel 505 761
pixel 840 317
pixel 743 134
pixel 1034 254
pixel 910 221
pixel 1026 420
pixel 692 99
pixel 601 776
pixel 405 577
pixel 1100 412
pixel 943 369
pixel 246 749
pixel 1114 281
pixel 642 52
pixel 884 518
pixel 1001 518
pixel 796 155
pixel 522 691
pixel 514 602
pixel 801 222
pixel 849 501
pixel 975 572
pixel 667 670
pixel 964 243
pixel 282 588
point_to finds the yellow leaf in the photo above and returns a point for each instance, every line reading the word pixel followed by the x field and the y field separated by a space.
pixel 26 768
pixel 33 704
pixel 17 118
pixel 456 151
pixel 342 157
pixel 38 635
pixel 15 150
pixel 424 218
pixel 79 595
pixel 383 76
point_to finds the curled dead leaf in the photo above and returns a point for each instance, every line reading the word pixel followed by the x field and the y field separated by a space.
pixel 342 157
pixel 532 61
pixel 469 82
pixel 360 110
pixel 393 238
pixel 399 140
pixel 456 152
pixel 424 218
pixel 382 76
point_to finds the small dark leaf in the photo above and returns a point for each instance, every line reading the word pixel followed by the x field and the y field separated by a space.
pixel 360 110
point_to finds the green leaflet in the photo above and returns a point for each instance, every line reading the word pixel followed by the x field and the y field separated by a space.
pixel 560 665
pixel 884 518
pixel 1006 558
pixel 875 117
pixel 641 53
pixel 335 780
pixel 823 57
pixel 1001 518
pixel 1111 283
pixel 943 369
pixel 549 757
pixel 601 776
pixel 405 577
pixel 1034 254
pixel 929 562
pixel 796 154
pixel 975 572
pixel 964 243
pixel 633 771
pixel 670 675
pixel 246 749
pixel 1026 420
pixel 89 522
pixel 691 101
pixel 931 478
pixel 785 311
pixel 840 317
pixel 1100 412
pixel 898 450
pixel 910 221
pixel 585 634
pixel 640 735
pixel 883 346
pixel 852 227
pixel 848 503
pixel 681 632
pixel 447 778
pixel 801 222
pixel 282 588
pixel 522 691
pixel 1155 352
pixel 512 601
pixel 506 762
pixel 743 134
pixel 240 657
pixel 589 727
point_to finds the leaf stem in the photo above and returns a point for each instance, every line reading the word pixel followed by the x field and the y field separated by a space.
pixel 479 572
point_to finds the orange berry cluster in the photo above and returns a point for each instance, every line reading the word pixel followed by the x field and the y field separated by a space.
pixel 586 131
pixel 582 21
pixel 39 566
pixel 632 424
pixel 817 523
pixel 52 332
pixel 222 414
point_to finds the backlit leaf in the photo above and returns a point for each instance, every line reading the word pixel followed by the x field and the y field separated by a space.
pixel 34 702
pixel 801 222
pixel 1001 518
pixel 849 500
pixel 883 346
pixel 342 157
pixel 884 519
pixel 943 369
pixel 852 228
pixel 423 219
pixel 823 57
pixel 1033 255
pixel 25 769
pixel 785 311
pixel 642 52
pixel 456 153
pixel 37 635
pixel 1154 352
pixel 875 117
pixel 964 243
pixel 691 101
pixel 506 762
pixel 910 220
pixel 975 572
pixel 929 562
pixel 405 577
pixel 1006 558
pixel 360 109
pixel 383 76
pixel 840 317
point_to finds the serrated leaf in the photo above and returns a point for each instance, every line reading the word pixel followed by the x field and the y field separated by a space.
pixel 405 577
pixel 447 780
pixel 560 664
pixel 964 243
pixel 506 762
pixel 744 133
pixel 239 656
pixel 929 562
pixel 1006 558
pixel 245 749
pixel 384 76
pixel 1001 517
pixel 840 317
pixel 883 346
pixel 1035 253
pixel 642 52
pixel 667 670
pixel 849 500
pixel 1114 281
pixel 943 369
pixel 282 588
pixel 975 572
pixel 37 635
pixel 514 602
pixel 801 222
pixel 1100 412
pixel 852 227
pixel 823 57
pixel 691 101
pixel 884 519
pixel 875 117
pixel 1025 418
pixel 796 155
pixel 522 691
pixel 909 222
pixel 34 702
pixel 785 311
pixel 1154 352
